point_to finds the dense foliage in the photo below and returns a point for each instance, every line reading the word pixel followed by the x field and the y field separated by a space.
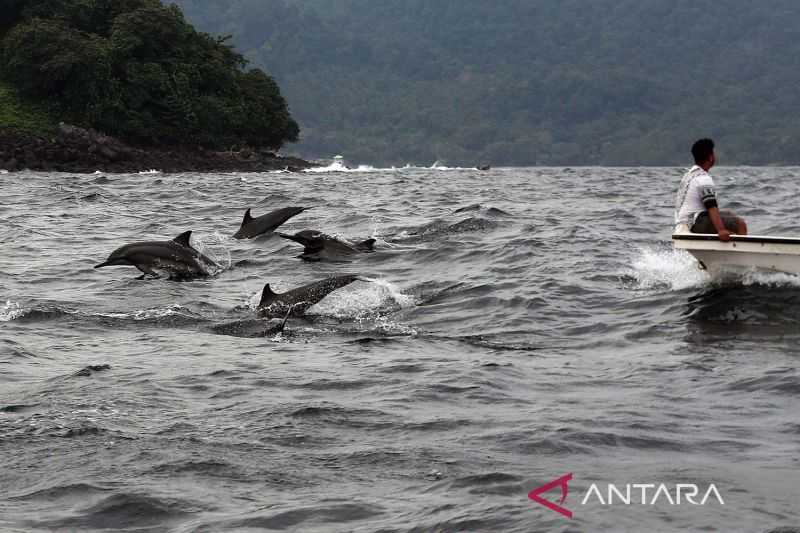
pixel 18 115
pixel 528 81
pixel 137 69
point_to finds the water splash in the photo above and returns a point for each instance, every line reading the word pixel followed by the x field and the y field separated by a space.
pixel 666 268
pixel 149 172
pixel 11 311
pixel 677 270
pixel 252 301
pixel 150 314
pixel 363 300
pixel 338 166
pixel 769 279
pixel 215 248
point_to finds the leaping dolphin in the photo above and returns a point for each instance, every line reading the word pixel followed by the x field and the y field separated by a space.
pixel 253 227
pixel 296 301
pixel 318 246
pixel 176 258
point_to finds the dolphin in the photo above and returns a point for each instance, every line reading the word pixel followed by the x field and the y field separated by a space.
pixel 176 258
pixel 296 301
pixel 253 227
pixel 318 246
pixel 256 327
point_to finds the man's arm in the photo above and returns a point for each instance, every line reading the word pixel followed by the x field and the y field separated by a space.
pixel 709 198
pixel 716 219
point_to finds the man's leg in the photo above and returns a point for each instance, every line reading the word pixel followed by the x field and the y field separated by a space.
pixel 733 223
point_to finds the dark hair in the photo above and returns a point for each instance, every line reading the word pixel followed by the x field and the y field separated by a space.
pixel 702 150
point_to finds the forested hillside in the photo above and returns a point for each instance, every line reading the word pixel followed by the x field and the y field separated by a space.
pixel 135 69
pixel 614 82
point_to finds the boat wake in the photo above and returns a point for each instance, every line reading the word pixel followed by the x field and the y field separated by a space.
pixel 676 270
pixel 666 268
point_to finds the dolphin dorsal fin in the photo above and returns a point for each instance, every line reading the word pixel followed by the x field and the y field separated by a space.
pixel 267 296
pixel 368 245
pixel 184 238
pixel 247 217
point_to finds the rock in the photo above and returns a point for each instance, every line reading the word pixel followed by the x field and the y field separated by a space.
pixel 75 149
pixel 108 153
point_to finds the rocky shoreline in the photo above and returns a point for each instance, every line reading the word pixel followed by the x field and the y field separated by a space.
pixel 77 150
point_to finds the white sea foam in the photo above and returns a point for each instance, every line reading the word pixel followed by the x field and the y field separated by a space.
pixel 151 171
pixel 363 299
pixel 338 166
pixel 678 270
pixel 439 166
pixel 769 279
pixel 147 314
pixel 3 171
pixel 673 269
pixel 10 311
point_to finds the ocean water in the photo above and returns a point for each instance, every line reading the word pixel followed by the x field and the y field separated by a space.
pixel 518 325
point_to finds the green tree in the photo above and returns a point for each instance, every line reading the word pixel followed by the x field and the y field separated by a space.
pixel 137 69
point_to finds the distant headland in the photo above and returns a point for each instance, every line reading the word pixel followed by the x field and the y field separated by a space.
pixel 130 86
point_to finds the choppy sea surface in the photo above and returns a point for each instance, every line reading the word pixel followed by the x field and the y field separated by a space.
pixel 518 325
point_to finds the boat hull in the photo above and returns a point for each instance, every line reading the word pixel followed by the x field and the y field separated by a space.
pixel 779 254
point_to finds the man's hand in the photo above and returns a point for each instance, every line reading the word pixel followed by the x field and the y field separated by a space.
pixel 716 219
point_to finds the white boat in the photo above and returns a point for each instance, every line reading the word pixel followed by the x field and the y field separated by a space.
pixel 781 254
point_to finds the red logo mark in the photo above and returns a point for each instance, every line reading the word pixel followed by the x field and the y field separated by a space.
pixel 560 482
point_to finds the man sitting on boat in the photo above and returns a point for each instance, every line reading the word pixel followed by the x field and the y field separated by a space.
pixel 696 206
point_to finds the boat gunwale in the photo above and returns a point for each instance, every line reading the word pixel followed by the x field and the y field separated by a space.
pixel 755 239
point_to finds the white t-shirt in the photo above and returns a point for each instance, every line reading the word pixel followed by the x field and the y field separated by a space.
pixel 695 190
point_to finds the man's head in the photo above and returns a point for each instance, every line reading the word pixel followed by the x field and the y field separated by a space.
pixel 703 152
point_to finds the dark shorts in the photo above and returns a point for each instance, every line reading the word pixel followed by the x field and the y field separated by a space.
pixel 703 223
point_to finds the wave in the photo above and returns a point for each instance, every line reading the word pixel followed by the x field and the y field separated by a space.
pixel 128 511
pixel 338 166
pixel 329 514
pixel 57 492
pixel 154 314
